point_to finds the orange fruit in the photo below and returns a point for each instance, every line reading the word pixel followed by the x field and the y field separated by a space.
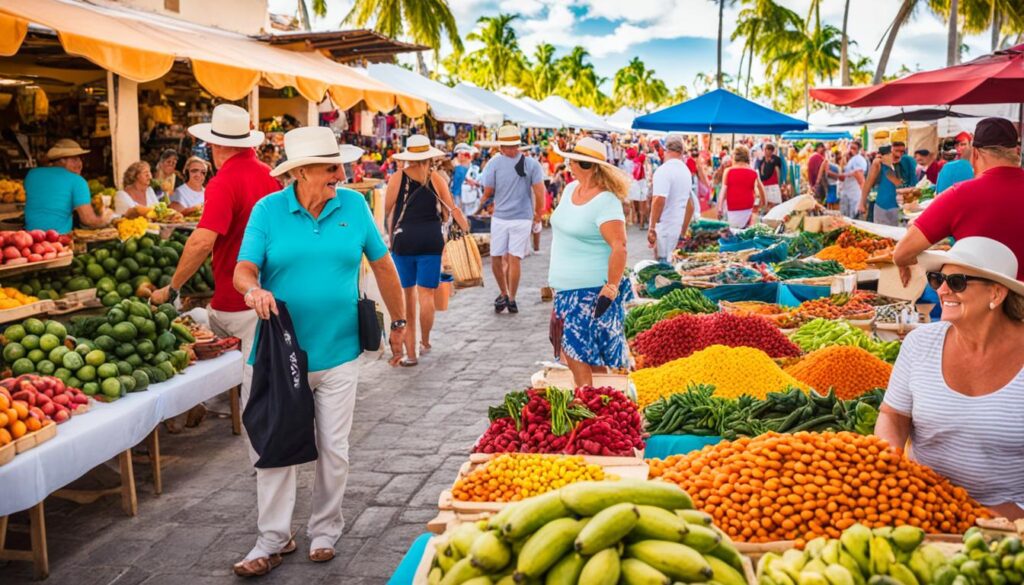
pixel 21 407
pixel 5 437
pixel 18 429
pixel 5 401
pixel 3 419
pixel 12 415
pixel 33 424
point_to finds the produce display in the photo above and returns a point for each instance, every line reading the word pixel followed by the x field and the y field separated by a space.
pixel 850 258
pixel 999 562
pixel 17 418
pixel 797 269
pixel 837 306
pixel 688 300
pixel 632 532
pixel 47 397
pixel 657 280
pixel 883 556
pixel 683 335
pixel 805 244
pixel 163 213
pixel 131 228
pixel 12 191
pixel 23 247
pixel 586 421
pixel 12 298
pixel 699 412
pixel 782 317
pixel 733 371
pixel 847 370
pixel 852 237
pixel 511 477
pixel 821 333
pixel 805 485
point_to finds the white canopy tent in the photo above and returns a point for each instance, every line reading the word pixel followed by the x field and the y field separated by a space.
pixel 622 120
pixel 570 115
pixel 445 104
pixel 508 106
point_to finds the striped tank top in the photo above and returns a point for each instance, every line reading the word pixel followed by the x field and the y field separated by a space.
pixel 976 442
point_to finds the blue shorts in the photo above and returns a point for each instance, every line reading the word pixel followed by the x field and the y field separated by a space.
pixel 418 269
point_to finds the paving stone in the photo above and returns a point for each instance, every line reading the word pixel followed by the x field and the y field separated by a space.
pixel 400 489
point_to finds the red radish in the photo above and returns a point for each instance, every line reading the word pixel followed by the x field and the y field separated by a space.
pixel 52 236
pixel 10 253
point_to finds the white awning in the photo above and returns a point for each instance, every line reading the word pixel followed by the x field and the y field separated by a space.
pixel 445 103
pixel 622 119
pixel 512 110
pixel 570 115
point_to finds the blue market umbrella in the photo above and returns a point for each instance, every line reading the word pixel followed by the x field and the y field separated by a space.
pixel 719 112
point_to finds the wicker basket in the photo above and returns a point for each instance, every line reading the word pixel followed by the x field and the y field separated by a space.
pixel 466 264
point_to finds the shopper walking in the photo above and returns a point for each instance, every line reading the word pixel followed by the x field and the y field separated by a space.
pixel 742 191
pixel 588 258
pixel 634 166
pixel 516 183
pixel 321 291
pixel 55 193
pixel 242 180
pixel 885 175
pixel 673 201
pixel 853 180
pixel 417 203
pixel 465 184
pixel 769 169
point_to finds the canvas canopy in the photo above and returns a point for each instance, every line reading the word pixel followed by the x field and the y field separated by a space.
pixel 445 104
pixel 508 106
pixel 719 111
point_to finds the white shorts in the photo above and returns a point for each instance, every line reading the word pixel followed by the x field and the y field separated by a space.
pixel 510 237
pixel 638 191
pixel 740 219
pixel 668 240
pixel 773 193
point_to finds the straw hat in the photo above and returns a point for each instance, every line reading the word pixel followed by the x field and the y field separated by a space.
pixel 587 149
pixel 463 147
pixel 314 145
pixel 509 135
pixel 230 126
pixel 992 259
pixel 417 147
pixel 64 148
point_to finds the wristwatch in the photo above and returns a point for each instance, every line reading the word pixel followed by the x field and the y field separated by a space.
pixel 398 324
pixel 172 294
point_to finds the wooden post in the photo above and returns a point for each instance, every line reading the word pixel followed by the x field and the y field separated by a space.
pixel 129 500
pixel 153 443
pixel 123 101
pixel 236 410
pixel 312 114
pixel 254 106
pixel 40 556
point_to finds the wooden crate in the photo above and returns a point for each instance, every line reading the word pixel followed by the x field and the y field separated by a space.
pixel 7 453
pixel 59 262
pixel 33 440
pixel 26 311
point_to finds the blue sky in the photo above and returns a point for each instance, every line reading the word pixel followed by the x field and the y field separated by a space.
pixel 677 38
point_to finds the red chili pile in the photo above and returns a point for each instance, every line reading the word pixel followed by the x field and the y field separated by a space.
pixel 684 335
pixel 587 421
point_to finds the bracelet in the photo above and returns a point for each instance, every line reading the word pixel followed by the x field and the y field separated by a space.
pixel 249 292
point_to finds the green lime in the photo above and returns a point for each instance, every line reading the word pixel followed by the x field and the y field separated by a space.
pixel 56 328
pixel 107 371
pixel 22 366
pixel 128 382
pixel 106 285
pixel 30 341
pixel 110 299
pixel 106 342
pixel 125 290
pixel 111 388
pixel 14 352
pixel 15 332
pixel 49 342
pixel 124 367
pixel 84 347
pixel 36 355
pixel 46 367
pixel 34 326
pixel 74 382
pixel 72 361
pixel 122 274
pixel 101 254
pixel 57 354
pixel 95 357
pixel 110 265
pixel 86 373
pixel 62 374
pixel 94 271
pixel 90 388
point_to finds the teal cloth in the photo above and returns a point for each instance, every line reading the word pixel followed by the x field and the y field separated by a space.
pixel 886 198
pixel 953 172
pixel 406 569
pixel 579 253
pixel 787 295
pixel 908 170
pixel 51 196
pixel 662 446
pixel 313 265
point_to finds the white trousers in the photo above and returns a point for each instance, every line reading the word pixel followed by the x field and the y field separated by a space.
pixel 334 394
pixel 240 324
pixel 668 239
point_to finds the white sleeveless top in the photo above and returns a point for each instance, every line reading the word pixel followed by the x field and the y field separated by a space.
pixel 976 442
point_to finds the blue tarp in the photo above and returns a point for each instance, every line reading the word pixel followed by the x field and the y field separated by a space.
pixel 812 135
pixel 662 446
pixel 719 112
pixel 787 295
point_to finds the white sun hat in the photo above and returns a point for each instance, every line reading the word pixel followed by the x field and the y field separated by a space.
pixel 229 126
pixel 587 149
pixel 417 147
pixel 990 258
pixel 64 148
pixel 463 147
pixel 314 145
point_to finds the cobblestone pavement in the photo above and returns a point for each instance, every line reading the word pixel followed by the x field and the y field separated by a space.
pixel 413 429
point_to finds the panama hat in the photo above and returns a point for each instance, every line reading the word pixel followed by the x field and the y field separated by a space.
pixel 991 259
pixel 314 145
pixel 417 147
pixel 230 126
pixel 463 147
pixel 64 148
pixel 587 149
pixel 509 135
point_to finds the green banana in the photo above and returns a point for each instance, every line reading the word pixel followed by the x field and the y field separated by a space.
pixel 837 574
pixel 658 524
pixel 489 552
pixel 856 541
pixel 637 572
pixel 882 555
pixel 482 580
pixel 447 557
pixel 919 565
pixel 882 580
pixel 701 539
pixel 698 517
pixel 885 531
pixel 727 552
pixel 678 561
pixel 461 572
pixel 463 537
pixel 830 552
pixel 780 577
pixel 792 562
pixel 566 571
pixel 435 575
pixel 934 556
pixel 815 566
pixel 606 528
pixel 851 565
pixel 903 574
pixel 497 521
pixel 601 569
pixel 723 573
pixel 506 580
pixel 534 513
pixel 765 562
pixel 811 578
pixel 587 498
pixel 815 546
pixel 907 537
pixel 547 545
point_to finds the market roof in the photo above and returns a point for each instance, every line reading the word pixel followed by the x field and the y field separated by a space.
pixel 719 111
pixel 144 47
pixel 445 104
pixel 512 110
pixel 570 115
pixel 346 46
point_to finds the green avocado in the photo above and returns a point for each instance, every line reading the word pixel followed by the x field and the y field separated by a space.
pixel 125 332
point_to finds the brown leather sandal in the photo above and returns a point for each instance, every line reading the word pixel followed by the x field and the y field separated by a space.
pixel 321 555
pixel 257 567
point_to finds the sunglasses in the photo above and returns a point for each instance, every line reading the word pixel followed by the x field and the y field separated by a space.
pixel 585 165
pixel 956 282
pixel 197 171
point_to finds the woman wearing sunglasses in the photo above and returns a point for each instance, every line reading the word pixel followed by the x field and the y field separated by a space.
pixel 957 390
pixel 588 258
pixel 189 196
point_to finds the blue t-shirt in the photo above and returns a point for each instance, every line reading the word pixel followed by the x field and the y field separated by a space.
pixel 886 198
pixel 579 253
pixel 953 172
pixel 313 266
pixel 908 171
pixel 51 196
pixel 513 195
pixel 458 177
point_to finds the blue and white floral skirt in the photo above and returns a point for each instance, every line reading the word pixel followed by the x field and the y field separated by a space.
pixel 577 333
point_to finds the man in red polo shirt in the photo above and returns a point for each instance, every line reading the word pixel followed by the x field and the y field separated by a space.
pixel 241 181
pixel 990 205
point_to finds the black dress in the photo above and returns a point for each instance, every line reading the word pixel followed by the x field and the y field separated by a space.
pixel 419 230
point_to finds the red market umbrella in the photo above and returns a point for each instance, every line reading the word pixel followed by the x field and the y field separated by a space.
pixel 993 79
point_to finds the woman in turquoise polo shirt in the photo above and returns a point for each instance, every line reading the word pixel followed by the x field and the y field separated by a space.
pixel 304 245
pixel 55 193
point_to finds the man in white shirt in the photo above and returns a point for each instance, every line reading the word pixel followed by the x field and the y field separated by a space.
pixel 853 179
pixel 674 200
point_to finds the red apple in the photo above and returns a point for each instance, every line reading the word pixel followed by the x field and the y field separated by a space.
pixel 38 235
pixel 35 257
pixel 21 239
pixel 49 255
pixel 10 253
pixel 52 236
pixel 16 261
pixel 37 248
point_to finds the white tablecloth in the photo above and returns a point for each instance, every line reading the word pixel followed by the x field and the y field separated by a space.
pixel 89 439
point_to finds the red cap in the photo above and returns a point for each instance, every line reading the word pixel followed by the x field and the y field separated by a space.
pixel 965 135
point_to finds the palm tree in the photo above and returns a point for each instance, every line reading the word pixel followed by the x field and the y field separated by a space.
pixel 500 54
pixel 758 23
pixel 844 58
pixel 423 21
pixel 902 15
pixel 859 70
pixel 719 77
pixel 636 86
pixel 807 54
pixel 543 72
pixel 579 82
pixel 679 95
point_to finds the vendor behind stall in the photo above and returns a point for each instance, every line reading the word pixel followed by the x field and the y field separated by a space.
pixel 166 176
pixel 54 193
pixel 136 197
pixel 189 196
pixel 957 390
